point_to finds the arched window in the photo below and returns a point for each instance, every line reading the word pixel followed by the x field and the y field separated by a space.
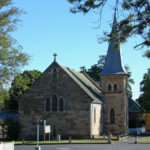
pixel 54 103
pixel 115 87
pixel 61 104
pixel 112 116
pixel 109 87
pixel 47 104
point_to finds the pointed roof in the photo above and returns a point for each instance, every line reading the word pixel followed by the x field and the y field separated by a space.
pixel 113 64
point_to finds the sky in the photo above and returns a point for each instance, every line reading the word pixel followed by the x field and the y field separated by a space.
pixel 48 27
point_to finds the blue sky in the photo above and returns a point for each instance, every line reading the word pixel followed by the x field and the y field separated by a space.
pixel 49 27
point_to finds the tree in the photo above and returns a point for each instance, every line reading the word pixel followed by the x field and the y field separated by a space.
pixel 20 85
pixel 13 129
pixel 144 99
pixel 4 96
pixel 135 22
pixel 11 57
pixel 94 70
pixel 130 81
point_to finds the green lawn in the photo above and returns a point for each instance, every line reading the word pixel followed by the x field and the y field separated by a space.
pixel 85 141
pixel 140 140
pixel 144 139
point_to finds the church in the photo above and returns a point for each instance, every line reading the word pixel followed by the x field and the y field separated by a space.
pixel 74 104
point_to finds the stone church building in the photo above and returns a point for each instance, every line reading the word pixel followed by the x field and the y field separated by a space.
pixel 74 104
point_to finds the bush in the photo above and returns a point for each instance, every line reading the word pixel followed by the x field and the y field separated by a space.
pixel 13 129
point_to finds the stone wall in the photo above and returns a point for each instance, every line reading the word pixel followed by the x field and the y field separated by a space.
pixel 118 101
pixel 74 120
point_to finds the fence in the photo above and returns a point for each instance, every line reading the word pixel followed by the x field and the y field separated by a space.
pixel 7 146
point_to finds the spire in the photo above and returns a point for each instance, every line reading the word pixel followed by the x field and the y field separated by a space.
pixel 113 64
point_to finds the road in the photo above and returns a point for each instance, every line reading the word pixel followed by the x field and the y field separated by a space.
pixel 88 147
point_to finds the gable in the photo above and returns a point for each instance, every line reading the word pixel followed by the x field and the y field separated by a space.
pixel 79 79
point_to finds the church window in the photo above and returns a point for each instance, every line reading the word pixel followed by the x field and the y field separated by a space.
pixel 54 74
pixel 54 103
pixel 112 116
pixel 115 87
pixel 47 104
pixel 94 115
pixel 61 104
pixel 109 87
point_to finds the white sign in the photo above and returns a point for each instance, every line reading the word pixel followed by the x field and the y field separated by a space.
pixel 7 146
pixel 47 129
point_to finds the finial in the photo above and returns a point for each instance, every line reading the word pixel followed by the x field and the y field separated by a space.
pixel 115 13
pixel 55 55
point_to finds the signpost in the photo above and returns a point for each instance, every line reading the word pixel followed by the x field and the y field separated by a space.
pixel 47 130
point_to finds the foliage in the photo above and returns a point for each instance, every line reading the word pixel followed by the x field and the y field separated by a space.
pixel 130 81
pixel 135 22
pixel 13 129
pixel 4 96
pixel 144 99
pixel 20 85
pixel 94 70
pixel 11 57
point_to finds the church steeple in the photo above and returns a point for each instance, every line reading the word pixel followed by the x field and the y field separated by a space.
pixel 113 64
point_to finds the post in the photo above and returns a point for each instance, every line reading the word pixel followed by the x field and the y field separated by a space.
pixel 70 139
pixel 38 133
pixel 109 138
pixel 37 147
pixel 49 136
pixel 44 124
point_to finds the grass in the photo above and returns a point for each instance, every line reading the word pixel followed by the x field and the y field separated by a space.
pixel 84 141
pixel 144 140
pixel 102 140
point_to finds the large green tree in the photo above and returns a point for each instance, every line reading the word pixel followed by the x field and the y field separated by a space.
pixel 4 96
pixel 11 56
pixel 136 20
pixel 144 99
pixel 21 83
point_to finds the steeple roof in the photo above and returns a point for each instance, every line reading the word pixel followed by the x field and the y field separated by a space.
pixel 113 64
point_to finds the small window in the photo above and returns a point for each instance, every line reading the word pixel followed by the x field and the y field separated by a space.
pixel 55 74
pixel 54 103
pixel 61 104
pixel 109 87
pixel 112 116
pixel 47 104
pixel 115 87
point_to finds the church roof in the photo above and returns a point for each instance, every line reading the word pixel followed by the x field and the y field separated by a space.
pixel 88 85
pixel 113 64
pixel 133 106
